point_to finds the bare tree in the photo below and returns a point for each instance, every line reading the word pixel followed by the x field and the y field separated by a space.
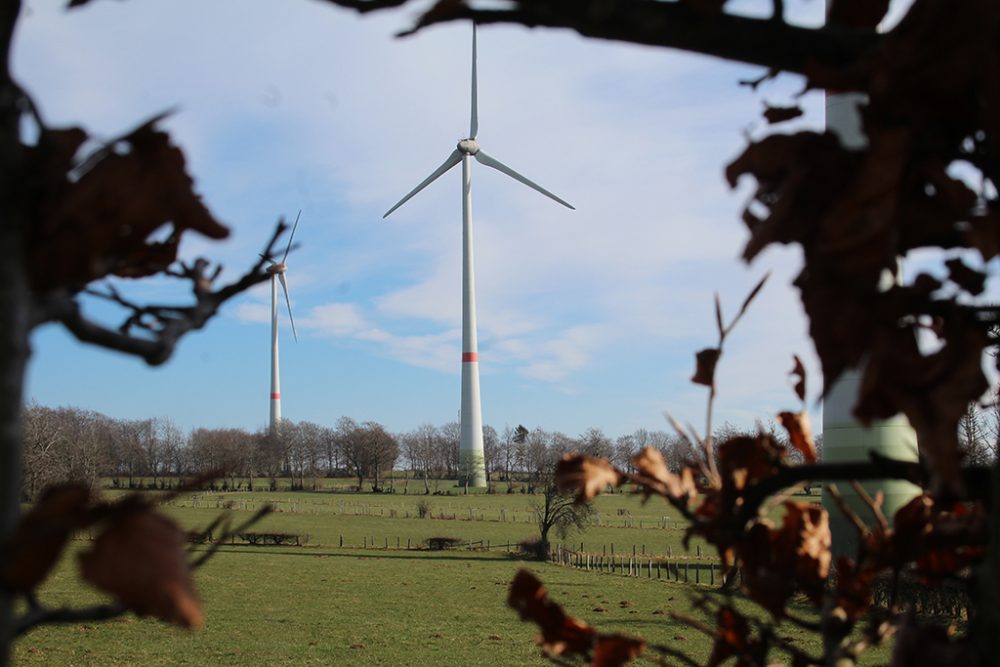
pixel 382 451
pixel 625 449
pixel 449 441
pixel 420 446
pixel 974 440
pixel 43 463
pixel 491 453
pixel 558 512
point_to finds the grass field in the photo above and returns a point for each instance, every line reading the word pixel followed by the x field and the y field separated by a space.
pixel 622 522
pixel 324 605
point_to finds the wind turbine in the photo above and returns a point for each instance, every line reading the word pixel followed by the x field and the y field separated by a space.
pixel 277 273
pixel 471 455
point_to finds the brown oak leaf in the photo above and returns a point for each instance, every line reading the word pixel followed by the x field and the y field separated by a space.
pixel 705 362
pixel 139 559
pixel 799 373
pixel 42 534
pixel 732 636
pixel 616 650
pixel 586 475
pixel 561 633
pixel 799 433
pixel 99 221
pixel 649 462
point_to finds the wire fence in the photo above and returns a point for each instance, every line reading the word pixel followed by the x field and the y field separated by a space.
pixel 691 570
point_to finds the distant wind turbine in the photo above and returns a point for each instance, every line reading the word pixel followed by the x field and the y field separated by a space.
pixel 277 271
pixel 471 455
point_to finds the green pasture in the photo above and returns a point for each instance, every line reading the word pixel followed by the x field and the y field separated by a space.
pixel 622 523
pixel 320 604
pixel 344 607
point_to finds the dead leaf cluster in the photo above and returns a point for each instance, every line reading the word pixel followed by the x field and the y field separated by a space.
pixel 138 556
pixel 564 635
pixel 94 216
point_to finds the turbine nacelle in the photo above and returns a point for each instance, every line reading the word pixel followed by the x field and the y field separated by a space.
pixel 277 267
pixel 468 146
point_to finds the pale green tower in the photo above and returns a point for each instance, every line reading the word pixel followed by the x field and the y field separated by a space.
pixel 844 439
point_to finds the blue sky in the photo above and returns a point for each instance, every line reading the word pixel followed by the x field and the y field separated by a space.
pixel 586 318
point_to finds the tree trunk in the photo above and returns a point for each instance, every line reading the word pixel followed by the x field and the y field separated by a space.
pixel 13 358
pixel 14 308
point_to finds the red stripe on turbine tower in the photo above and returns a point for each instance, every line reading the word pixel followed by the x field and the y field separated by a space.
pixel 470 356
pixel 275 396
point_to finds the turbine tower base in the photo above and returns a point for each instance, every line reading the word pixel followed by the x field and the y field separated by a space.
pixel 471 469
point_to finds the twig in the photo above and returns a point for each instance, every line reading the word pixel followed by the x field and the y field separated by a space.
pixel 713 480
pixel 756 41
pixel 260 514
pixel 874 505
pixel 44 616
pixel 169 322
pixel 851 515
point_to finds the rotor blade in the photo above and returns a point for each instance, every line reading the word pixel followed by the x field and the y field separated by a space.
pixel 489 161
pixel 290 237
pixel 474 125
pixel 284 286
pixel 452 160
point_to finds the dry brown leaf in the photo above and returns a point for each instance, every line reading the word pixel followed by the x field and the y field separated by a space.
pixel 616 650
pixel 745 460
pixel 561 633
pixel 805 532
pixel 705 366
pixel 795 557
pixel 139 559
pixel 799 372
pixel 99 222
pixel 42 534
pixel 649 462
pixel 799 433
pixel 798 176
pixel 933 391
pixel 586 475
pixel 732 636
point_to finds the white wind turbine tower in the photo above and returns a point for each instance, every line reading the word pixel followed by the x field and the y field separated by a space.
pixel 277 272
pixel 471 456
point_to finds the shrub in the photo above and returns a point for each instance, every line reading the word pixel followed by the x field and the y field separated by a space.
pixel 423 508
pixel 442 543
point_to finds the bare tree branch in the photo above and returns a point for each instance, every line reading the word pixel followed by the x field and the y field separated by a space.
pixel 166 324
pixel 766 42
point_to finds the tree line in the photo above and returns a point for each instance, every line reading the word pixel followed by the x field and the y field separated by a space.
pixel 70 443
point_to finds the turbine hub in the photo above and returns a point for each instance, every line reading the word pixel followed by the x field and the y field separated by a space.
pixel 468 146
pixel 275 268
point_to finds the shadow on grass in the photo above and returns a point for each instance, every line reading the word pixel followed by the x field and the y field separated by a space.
pixel 401 554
